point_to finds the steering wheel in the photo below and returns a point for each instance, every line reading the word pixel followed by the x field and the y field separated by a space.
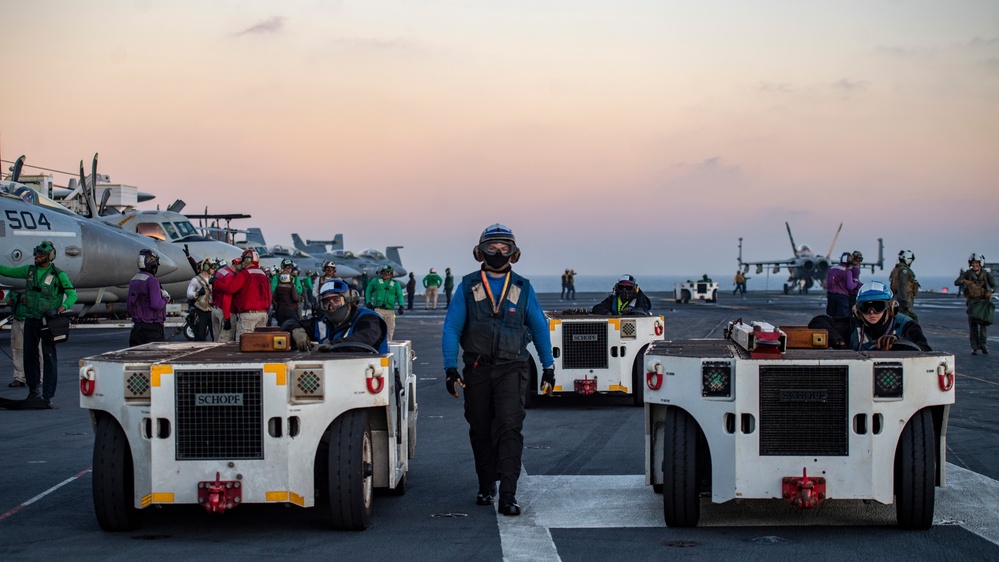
pixel 355 344
pixel 904 345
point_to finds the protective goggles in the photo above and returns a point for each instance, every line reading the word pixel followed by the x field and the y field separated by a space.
pixel 867 307
pixel 336 299
pixel 41 253
pixel 489 248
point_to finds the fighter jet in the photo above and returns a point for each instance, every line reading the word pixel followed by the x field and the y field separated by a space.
pixel 367 262
pixel 92 254
pixel 805 268
pixel 272 256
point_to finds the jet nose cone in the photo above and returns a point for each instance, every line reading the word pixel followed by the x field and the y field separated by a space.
pixel 400 271
pixel 110 256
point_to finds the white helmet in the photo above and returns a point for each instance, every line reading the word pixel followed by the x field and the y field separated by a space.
pixel 906 257
pixel 976 257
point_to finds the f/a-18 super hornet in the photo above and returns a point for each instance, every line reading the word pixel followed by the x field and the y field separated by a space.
pixel 368 262
pixel 805 268
pixel 93 254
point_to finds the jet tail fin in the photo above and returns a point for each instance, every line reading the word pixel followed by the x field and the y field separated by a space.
pixel 255 237
pixel 392 253
pixel 794 248
pixel 337 242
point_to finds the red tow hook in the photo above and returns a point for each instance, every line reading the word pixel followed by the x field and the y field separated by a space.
pixel 218 496
pixel 87 381
pixel 945 379
pixel 375 382
pixel 804 492
pixel 654 380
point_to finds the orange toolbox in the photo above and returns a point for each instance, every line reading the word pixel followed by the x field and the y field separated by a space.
pixel 803 337
pixel 265 340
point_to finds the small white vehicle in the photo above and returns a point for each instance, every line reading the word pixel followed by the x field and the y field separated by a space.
pixel 745 418
pixel 597 354
pixel 687 291
pixel 204 423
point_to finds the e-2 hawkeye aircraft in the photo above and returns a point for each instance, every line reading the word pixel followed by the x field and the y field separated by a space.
pixel 806 267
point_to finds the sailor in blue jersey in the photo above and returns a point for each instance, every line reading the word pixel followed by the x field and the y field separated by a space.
pixel 493 315
pixel 338 320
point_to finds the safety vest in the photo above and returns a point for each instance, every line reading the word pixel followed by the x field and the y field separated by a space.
pixel 860 341
pixel 499 336
pixel 44 295
pixel 331 336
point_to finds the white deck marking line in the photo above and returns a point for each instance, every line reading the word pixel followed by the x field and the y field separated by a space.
pixel 594 502
pixel 43 494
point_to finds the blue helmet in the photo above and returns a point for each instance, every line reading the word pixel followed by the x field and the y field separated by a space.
pixel 334 287
pixel 874 291
pixel 497 233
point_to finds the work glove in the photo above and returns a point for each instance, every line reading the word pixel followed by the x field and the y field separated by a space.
pixel 301 339
pixel 371 306
pixel 201 291
pixel 324 347
pixel 400 310
pixel 548 381
pixel 166 295
pixel 227 324
pixel 886 341
pixel 452 380
pixel 187 251
pixel 52 313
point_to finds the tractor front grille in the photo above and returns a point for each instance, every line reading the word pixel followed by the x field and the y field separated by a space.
pixel 804 410
pixel 219 415
pixel 584 345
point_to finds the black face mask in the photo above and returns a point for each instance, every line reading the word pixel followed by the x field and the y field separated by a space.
pixel 338 316
pixel 496 262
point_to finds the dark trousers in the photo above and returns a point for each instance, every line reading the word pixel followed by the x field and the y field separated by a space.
pixel 447 296
pixel 837 305
pixel 203 326
pixel 145 333
pixel 494 409
pixel 32 366
pixel 409 298
pixel 979 340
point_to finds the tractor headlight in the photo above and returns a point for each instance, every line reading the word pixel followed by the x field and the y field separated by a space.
pixel 888 380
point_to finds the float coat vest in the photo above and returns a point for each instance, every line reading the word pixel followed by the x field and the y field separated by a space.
pixel 500 337
pixel 344 332
pixel 857 339
pixel 44 295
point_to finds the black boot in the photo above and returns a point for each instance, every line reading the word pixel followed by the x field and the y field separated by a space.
pixel 486 495
pixel 33 392
pixel 508 504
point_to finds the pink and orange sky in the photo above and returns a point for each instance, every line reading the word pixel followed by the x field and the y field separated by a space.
pixel 612 136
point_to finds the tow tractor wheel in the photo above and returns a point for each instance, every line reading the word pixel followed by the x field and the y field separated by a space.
pixel 350 471
pixel 189 334
pixel 685 296
pixel 681 502
pixel 113 478
pixel 638 379
pixel 714 296
pixel 915 466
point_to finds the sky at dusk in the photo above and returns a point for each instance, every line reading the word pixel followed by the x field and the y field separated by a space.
pixel 612 136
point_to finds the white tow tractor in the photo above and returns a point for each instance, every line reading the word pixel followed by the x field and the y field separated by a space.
pixel 748 417
pixel 597 354
pixel 204 423
pixel 701 290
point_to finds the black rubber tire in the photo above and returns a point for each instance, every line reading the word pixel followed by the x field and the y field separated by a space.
pixel 685 296
pixel 681 502
pixel 915 469
pixel 113 478
pixel 714 296
pixel 638 379
pixel 350 478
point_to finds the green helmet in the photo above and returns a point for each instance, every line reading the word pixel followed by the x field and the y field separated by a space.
pixel 46 248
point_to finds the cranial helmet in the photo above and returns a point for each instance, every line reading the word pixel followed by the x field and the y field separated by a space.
pixel 976 257
pixel 496 261
pixel 208 264
pixel 626 287
pixel 329 263
pixel 250 257
pixel 906 257
pixel 286 262
pixel 45 248
pixel 148 260
pixel 875 295
pixel 845 257
pixel 857 255
pixel 221 263
pixel 386 269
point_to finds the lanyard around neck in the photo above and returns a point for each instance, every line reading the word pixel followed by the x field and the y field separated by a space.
pixel 489 292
